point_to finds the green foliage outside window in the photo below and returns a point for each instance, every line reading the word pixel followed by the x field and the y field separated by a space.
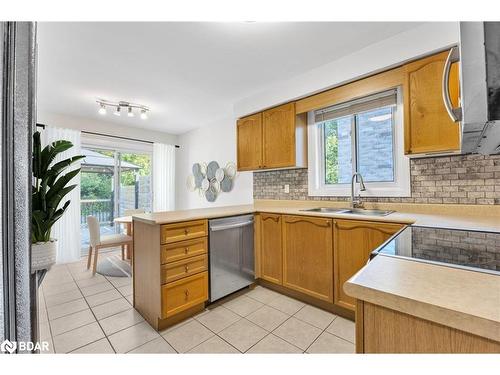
pixel 331 152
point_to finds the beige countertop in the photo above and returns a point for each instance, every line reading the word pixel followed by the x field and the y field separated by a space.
pixel 485 218
pixel 461 299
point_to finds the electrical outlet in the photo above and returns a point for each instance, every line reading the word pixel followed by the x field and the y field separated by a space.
pixel 287 189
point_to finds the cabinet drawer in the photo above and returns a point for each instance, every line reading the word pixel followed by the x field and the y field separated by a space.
pixel 183 294
pixel 183 231
pixel 186 267
pixel 181 250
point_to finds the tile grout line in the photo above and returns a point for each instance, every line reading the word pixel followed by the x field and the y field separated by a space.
pixel 95 317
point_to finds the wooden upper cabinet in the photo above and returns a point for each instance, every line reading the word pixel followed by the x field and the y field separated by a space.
pixel 275 138
pixel 353 242
pixel 278 129
pixel 308 256
pixel 428 128
pixel 271 251
pixel 249 142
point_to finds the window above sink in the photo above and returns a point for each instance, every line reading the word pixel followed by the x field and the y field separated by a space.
pixel 364 135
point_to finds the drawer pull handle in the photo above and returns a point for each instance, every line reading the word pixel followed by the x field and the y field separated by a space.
pixel 186 250
pixel 186 293
pixel 186 232
pixel 186 268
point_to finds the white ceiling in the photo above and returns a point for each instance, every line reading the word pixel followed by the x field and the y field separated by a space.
pixel 189 74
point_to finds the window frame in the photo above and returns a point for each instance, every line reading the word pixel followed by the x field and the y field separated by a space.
pixel 400 187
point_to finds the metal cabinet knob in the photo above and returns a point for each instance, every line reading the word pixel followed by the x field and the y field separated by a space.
pixel 186 268
pixel 186 293
pixel 186 231
pixel 186 250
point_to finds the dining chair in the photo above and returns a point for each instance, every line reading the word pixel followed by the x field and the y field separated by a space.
pixel 98 242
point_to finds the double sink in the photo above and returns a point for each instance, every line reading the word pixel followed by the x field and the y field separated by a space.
pixel 352 211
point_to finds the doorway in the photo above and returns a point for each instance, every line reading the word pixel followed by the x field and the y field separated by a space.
pixel 113 181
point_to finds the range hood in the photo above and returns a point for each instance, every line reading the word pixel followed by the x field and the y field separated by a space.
pixel 479 114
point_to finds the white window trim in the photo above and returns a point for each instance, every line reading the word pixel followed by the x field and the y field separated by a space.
pixel 399 188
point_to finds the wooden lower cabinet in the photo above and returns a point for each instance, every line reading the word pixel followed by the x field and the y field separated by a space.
pixel 184 294
pixel 383 330
pixel 271 251
pixel 354 240
pixel 170 270
pixel 308 256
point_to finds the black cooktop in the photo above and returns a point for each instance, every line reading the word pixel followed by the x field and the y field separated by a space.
pixel 474 250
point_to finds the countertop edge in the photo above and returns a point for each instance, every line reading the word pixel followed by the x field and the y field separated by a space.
pixel 450 318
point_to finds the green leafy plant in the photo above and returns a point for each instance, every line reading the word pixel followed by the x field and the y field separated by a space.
pixel 50 186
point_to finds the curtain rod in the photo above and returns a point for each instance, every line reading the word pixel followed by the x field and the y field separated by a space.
pixel 108 135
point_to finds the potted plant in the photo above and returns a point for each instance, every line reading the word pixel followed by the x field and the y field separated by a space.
pixel 50 187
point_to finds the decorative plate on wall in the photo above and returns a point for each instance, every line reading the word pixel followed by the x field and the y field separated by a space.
pixel 209 180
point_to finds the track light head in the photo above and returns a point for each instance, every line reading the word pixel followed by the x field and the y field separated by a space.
pixel 117 111
pixel 144 115
pixel 129 112
pixel 102 109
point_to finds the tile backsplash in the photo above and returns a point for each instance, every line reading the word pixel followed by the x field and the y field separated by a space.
pixel 460 179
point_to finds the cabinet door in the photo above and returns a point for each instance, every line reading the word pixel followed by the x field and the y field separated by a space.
pixel 271 251
pixel 353 242
pixel 249 142
pixel 279 136
pixel 428 128
pixel 308 256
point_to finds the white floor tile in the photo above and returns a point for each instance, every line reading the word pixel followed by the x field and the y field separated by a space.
pixel 71 321
pixel 101 346
pixel 120 321
pixel 343 328
pixel 100 298
pixel 214 345
pixel 286 304
pixel 268 318
pixel 111 308
pixel 243 305
pixel 272 344
pixel 157 346
pixel 243 334
pixel 67 308
pixel 317 317
pixel 218 319
pixel 188 336
pixel 77 338
pixel 297 332
pixel 327 343
pixel 132 337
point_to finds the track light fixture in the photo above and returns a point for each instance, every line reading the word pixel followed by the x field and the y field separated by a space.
pixel 130 107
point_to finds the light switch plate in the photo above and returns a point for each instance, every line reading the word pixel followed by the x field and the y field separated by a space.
pixel 287 189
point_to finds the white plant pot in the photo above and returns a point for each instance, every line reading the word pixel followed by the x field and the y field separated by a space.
pixel 43 255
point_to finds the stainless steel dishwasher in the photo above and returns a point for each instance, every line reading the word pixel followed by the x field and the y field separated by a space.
pixel 231 255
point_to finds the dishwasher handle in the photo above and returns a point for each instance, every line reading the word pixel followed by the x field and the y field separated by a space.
pixel 230 226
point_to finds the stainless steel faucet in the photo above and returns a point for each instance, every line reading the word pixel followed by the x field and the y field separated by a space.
pixel 356 202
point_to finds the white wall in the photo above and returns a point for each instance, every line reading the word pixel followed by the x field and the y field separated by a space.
pixel 216 141
pixel 103 127
pixel 387 53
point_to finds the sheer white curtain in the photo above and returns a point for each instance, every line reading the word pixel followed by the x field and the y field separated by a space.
pixel 67 228
pixel 163 177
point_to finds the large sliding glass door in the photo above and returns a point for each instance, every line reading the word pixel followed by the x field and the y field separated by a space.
pixel 113 181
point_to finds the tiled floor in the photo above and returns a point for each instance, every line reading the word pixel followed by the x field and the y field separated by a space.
pixel 81 313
